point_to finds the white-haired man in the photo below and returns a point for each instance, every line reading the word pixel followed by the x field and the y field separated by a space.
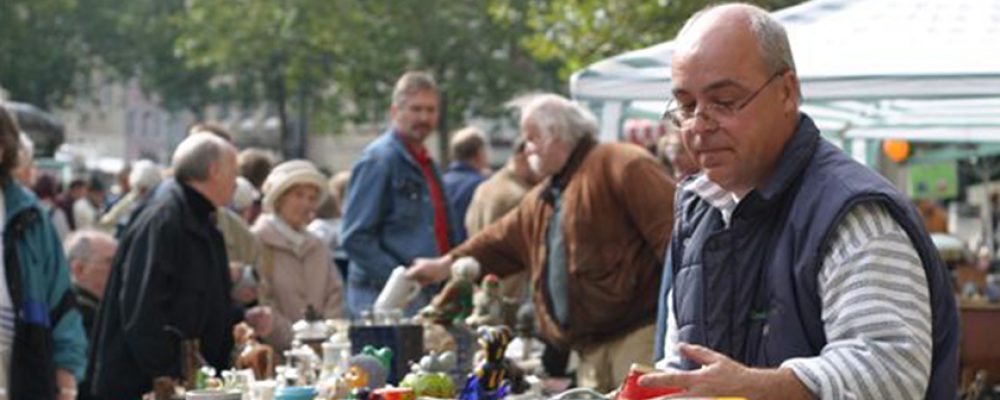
pixel 797 272
pixel 169 280
pixel 89 254
pixel 144 176
pixel 593 237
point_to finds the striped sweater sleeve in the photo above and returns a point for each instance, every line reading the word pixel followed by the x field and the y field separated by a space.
pixel 876 313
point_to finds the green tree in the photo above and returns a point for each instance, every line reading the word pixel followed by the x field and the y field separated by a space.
pixel 278 52
pixel 40 51
pixel 136 39
pixel 576 33
pixel 478 61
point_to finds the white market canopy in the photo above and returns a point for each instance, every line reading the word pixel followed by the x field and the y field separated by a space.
pixel 923 70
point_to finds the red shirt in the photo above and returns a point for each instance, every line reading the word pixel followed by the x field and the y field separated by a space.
pixel 419 154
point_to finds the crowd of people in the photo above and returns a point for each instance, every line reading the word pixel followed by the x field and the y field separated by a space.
pixel 749 255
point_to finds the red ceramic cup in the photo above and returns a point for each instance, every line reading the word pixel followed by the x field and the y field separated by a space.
pixel 630 389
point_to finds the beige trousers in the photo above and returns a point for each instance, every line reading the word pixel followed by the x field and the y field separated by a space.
pixel 603 367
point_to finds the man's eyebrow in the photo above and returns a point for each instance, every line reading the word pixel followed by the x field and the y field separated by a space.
pixel 722 84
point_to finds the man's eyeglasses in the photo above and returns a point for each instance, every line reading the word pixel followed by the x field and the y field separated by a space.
pixel 684 115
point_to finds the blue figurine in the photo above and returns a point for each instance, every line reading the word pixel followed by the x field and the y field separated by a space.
pixel 489 380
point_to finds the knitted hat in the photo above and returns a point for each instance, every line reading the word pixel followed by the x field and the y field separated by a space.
pixel 288 174
pixel 244 194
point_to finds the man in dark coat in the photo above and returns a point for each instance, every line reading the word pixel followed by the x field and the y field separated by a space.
pixel 169 280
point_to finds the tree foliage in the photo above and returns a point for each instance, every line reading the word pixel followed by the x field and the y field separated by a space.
pixel 576 33
pixel 316 63
pixel 39 50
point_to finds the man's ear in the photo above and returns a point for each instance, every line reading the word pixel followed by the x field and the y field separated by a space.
pixel 75 268
pixel 392 111
pixel 790 88
pixel 214 169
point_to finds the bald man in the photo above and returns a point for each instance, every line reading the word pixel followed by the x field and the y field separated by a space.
pixel 794 271
pixel 169 280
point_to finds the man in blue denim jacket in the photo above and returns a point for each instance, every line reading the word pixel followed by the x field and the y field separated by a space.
pixel 396 209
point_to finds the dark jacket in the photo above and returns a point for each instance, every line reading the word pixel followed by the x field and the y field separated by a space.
pixel 87 303
pixel 169 281
pixel 48 334
pixel 460 183
pixel 617 221
pixel 750 290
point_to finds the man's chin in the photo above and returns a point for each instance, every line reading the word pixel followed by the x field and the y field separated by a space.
pixel 419 136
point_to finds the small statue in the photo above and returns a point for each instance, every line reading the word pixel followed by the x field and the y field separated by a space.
pixel 488 303
pixel 526 329
pixel 429 377
pixel 251 354
pixel 992 290
pixel 630 389
pixel 165 388
pixel 368 370
pixel 489 380
pixel 433 362
pixel 454 303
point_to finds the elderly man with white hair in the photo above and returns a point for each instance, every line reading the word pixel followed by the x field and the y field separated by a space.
pixel 144 177
pixel 170 278
pixel 592 236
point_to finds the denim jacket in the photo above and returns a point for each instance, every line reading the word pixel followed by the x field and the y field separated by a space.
pixel 388 216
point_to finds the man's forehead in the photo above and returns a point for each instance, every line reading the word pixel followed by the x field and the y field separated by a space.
pixel 717 61
pixel 422 96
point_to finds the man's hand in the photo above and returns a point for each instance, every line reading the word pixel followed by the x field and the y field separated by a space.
pixel 430 270
pixel 721 376
pixel 67 385
pixel 245 294
pixel 261 319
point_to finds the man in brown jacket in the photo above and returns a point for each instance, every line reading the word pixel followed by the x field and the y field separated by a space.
pixel 595 291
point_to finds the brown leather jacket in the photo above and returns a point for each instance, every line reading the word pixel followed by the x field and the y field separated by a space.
pixel 617 219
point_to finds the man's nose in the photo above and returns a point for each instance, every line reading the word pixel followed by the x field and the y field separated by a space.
pixel 702 123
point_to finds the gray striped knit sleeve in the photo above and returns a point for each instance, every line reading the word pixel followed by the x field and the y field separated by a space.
pixel 876 313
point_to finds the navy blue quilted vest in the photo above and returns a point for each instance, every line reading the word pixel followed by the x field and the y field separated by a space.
pixel 750 290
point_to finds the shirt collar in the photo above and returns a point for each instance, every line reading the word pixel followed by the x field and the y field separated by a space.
pixel 417 151
pixel 200 205
pixel 713 194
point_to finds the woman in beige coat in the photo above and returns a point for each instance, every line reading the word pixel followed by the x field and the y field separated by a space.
pixel 296 270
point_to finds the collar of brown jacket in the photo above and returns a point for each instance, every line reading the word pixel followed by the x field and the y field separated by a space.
pixel 559 180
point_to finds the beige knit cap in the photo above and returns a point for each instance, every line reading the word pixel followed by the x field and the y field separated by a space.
pixel 288 174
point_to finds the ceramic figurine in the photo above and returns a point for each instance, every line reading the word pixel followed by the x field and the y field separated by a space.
pixel 394 394
pixel 489 380
pixel 434 362
pixel 488 303
pixel 992 291
pixel 302 365
pixel 454 303
pixel 970 291
pixel 368 370
pixel 251 354
pixel 429 377
pixel 630 389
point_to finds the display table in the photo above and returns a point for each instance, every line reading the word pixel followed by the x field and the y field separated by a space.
pixel 980 326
